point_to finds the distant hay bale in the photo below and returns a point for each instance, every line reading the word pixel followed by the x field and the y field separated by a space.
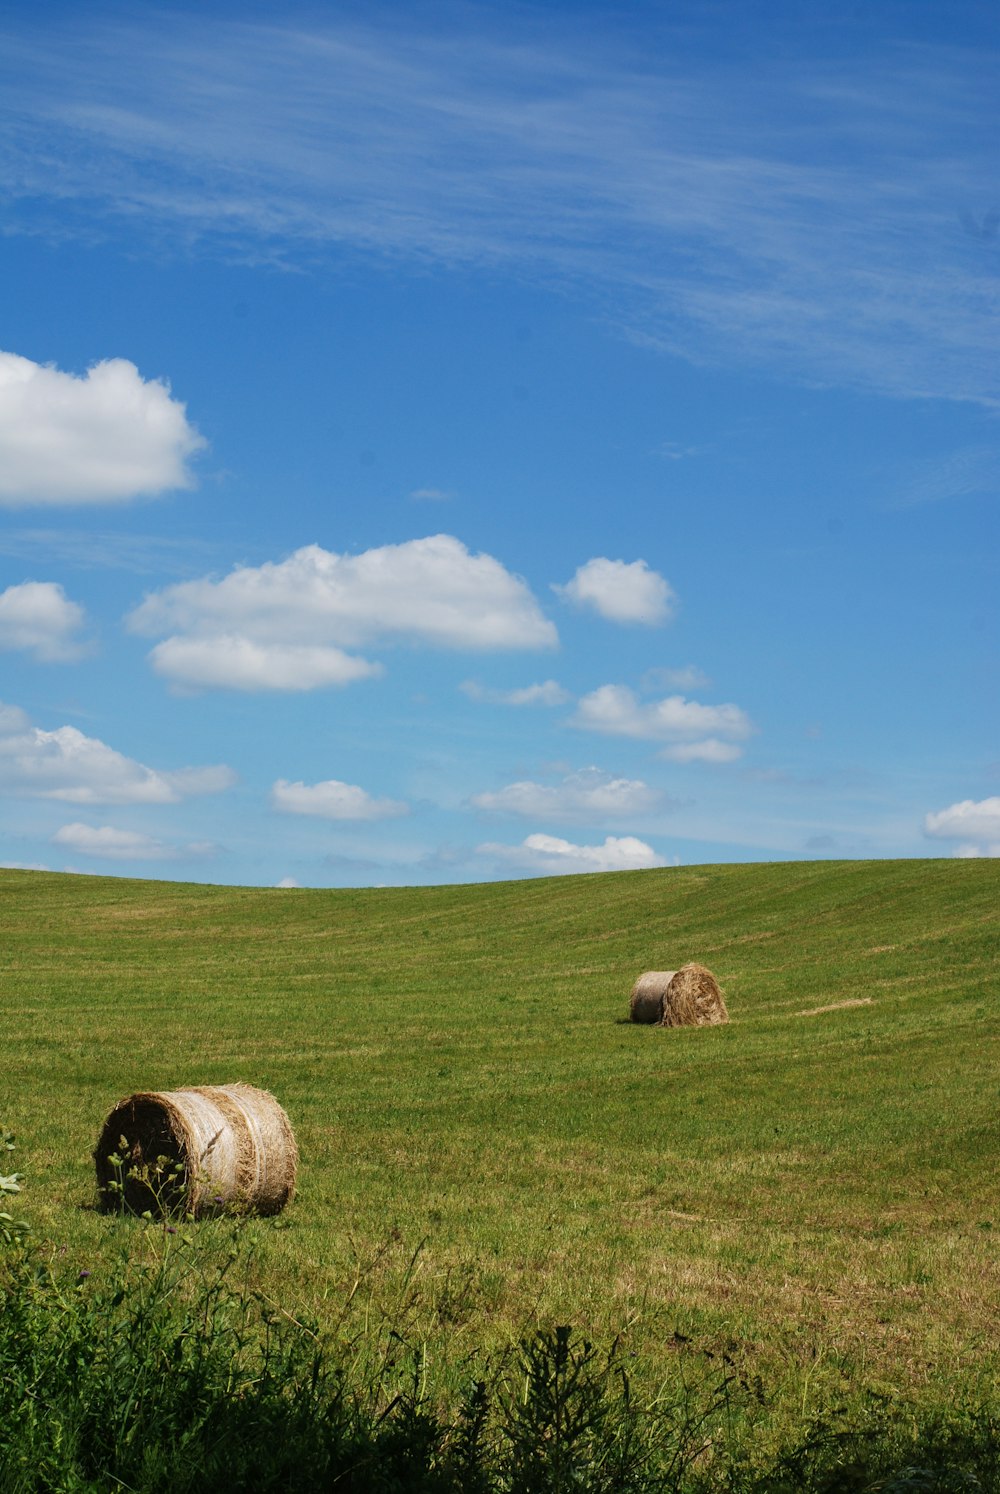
pixel 689 997
pixel 646 1004
pixel 207 1150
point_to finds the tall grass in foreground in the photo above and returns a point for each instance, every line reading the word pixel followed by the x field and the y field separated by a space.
pixel 171 1371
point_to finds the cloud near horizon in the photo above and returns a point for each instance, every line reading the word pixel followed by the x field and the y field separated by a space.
pixel 284 625
pixel 548 855
pixel 110 843
pixel 975 823
pixel 588 796
pixel 334 800
pixel 107 437
pixel 68 766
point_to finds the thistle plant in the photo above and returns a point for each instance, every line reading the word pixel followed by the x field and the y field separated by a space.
pixel 158 1184
pixel 9 1184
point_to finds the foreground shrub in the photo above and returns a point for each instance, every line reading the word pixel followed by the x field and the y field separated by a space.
pixel 169 1372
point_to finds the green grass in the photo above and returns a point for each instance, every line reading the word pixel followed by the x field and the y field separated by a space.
pixel 813 1198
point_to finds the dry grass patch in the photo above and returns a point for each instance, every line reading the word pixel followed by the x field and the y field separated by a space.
pixel 836 1006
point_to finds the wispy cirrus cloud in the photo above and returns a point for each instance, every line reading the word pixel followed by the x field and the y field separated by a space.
pixel 828 219
pixel 708 750
pixel 87 549
pixel 546 693
pixel 969 471
pixel 432 495
pixel 687 677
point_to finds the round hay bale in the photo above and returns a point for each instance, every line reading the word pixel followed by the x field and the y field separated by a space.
pixel 648 993
pixel 226 1148
pixel 693 999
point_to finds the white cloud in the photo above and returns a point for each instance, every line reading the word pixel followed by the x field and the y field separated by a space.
pixel 547 855
pixel 105 437
pixel 431 495
pixel 288 882
pixel 68 766
pixel 23 866
pixel 234 663
pixel 333 800
pixel 315 603
pixel 689 677
pixel 675 452
pixel 711 750
pixel 12 719
pixel 548 693
pixel 622 592
pixel 37 616
pixel 616 711
pixel 725 214
pixel 588 795
pixel 976 823
pixel 111 843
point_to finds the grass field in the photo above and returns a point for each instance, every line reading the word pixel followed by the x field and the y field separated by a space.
pixel 812 1191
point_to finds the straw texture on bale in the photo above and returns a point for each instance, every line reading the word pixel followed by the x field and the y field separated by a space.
pixel 689 997
pixel 207 1150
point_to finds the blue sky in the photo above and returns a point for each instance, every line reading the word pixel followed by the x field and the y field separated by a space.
pixel 440 443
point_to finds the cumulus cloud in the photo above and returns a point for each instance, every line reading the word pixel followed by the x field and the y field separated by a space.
pixel 333 800
pixel 587 795
pixel 316 603
pixel 104 437
pixel 288 882
pixel 66 765
pixel 23 866
pixel 711 750
pixel 233 663
pixel 976 823
pixel 548 693
pixel 616 711
pixel 38 617
pixel 620 591
pixel 547 855
pixel 113 844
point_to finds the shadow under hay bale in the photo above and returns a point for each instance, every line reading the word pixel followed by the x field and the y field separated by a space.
pixel 213 1149
pixel 689 997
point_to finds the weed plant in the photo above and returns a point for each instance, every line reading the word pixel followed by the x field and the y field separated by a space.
pixel 171 1371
